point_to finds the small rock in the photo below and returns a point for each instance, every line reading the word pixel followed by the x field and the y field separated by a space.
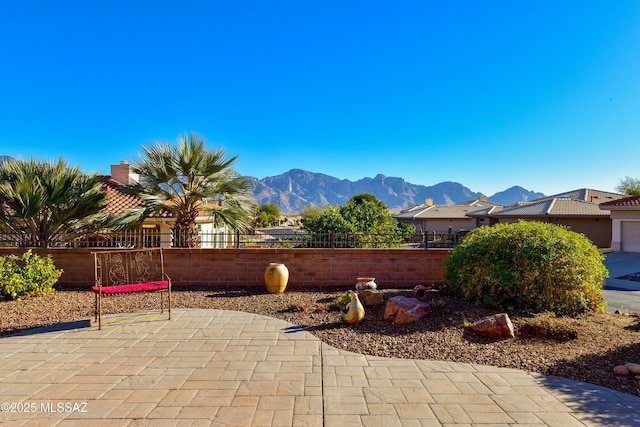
pixel 496 326
pixel 621 370
pixel 634 368
pixel 402 310
pixel 370 297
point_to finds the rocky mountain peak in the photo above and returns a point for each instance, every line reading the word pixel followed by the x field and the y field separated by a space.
pixel 298 189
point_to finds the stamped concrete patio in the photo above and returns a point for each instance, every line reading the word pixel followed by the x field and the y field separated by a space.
pixel 212 367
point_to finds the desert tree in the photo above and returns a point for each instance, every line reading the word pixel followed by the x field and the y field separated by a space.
pixel 267 215
pixel 630 186
pixel 190 180
pixel 364 221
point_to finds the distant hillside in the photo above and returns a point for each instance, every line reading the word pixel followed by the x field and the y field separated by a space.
pixel 513 195
pixel 5 159
pixel 298 189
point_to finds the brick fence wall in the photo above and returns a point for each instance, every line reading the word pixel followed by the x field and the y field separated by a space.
pixel 308 268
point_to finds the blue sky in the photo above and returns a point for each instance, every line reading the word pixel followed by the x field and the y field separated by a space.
pixel 541 94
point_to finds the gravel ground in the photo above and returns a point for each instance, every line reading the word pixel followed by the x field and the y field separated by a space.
pixel 584 349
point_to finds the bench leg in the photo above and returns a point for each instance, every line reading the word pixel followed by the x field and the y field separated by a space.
pixel 99 311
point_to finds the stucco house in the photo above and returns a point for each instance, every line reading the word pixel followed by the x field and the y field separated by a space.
pixel 577 209
pixel 625 223
pixel 428 217
pixel 156 229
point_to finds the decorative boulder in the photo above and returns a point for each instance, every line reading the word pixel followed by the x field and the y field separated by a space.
pixel 621 370
pixel 420 293
pixel 370 297
pixel 496 326
pixel 402 310
pixel 634 368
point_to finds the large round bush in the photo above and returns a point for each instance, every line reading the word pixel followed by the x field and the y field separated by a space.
pixel 530 266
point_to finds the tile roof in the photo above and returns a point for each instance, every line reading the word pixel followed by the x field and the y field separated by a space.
pixel 486 211
pixel 586 195
pixel 624 202
pixel 453 211
pixel 412 212
pixel 459 210
pixel 118 202
pixel 553 207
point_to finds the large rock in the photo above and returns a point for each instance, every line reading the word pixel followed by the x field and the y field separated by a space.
pixel 496 326
pixel 370 297
pixel 621 370
pixel 403 310
pixel 634 368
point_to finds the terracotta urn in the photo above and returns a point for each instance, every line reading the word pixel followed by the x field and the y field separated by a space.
pixel 355 311
pixel 276 277
pixel 421 293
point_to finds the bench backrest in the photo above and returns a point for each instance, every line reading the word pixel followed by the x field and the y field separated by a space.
pixel 122 267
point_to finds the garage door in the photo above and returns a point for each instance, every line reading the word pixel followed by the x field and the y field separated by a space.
pixel 631 236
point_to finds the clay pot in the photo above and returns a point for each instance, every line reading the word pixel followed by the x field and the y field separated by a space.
pixel 276 277
pixel 420 293
pixel 366 283
pixel 355 312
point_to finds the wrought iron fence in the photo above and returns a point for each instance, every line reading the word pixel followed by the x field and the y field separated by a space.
pixel 127 239
pixel 285 237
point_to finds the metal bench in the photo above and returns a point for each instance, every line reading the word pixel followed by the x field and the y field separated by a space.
pixel 119 272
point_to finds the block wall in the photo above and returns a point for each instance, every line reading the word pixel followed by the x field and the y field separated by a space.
pixel 308 268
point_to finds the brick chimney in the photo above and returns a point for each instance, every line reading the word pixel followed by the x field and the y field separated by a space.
pixel 122 173
pixel 428 202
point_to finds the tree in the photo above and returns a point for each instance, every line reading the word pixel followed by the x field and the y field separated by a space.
pixel 364 221
pixel 189 180
pixel 630 186
pixel 42 200
pixel 328 220
pixel 267 215
pixel 367 214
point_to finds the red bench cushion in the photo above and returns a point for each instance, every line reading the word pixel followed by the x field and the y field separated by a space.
pixel 133 287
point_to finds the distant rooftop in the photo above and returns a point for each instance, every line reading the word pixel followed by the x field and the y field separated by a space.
pixel 623 202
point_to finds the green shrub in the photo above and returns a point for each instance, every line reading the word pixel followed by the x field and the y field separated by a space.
pixel 343 301
pixel 29 275
pixel 529 266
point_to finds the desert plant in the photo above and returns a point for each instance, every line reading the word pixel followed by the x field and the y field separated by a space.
pixel 437 304
pixel 529 266
pixel 29 275
pixel 299 305
pixel 342 301
pixel 548 326
pixel 42 201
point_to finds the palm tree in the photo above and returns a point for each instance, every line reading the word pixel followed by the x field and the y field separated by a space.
pixel 42 200
pixel 188 179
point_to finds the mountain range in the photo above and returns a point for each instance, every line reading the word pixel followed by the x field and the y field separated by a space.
pixel 297 189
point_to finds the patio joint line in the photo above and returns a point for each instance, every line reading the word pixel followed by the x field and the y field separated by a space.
pixel 322 380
